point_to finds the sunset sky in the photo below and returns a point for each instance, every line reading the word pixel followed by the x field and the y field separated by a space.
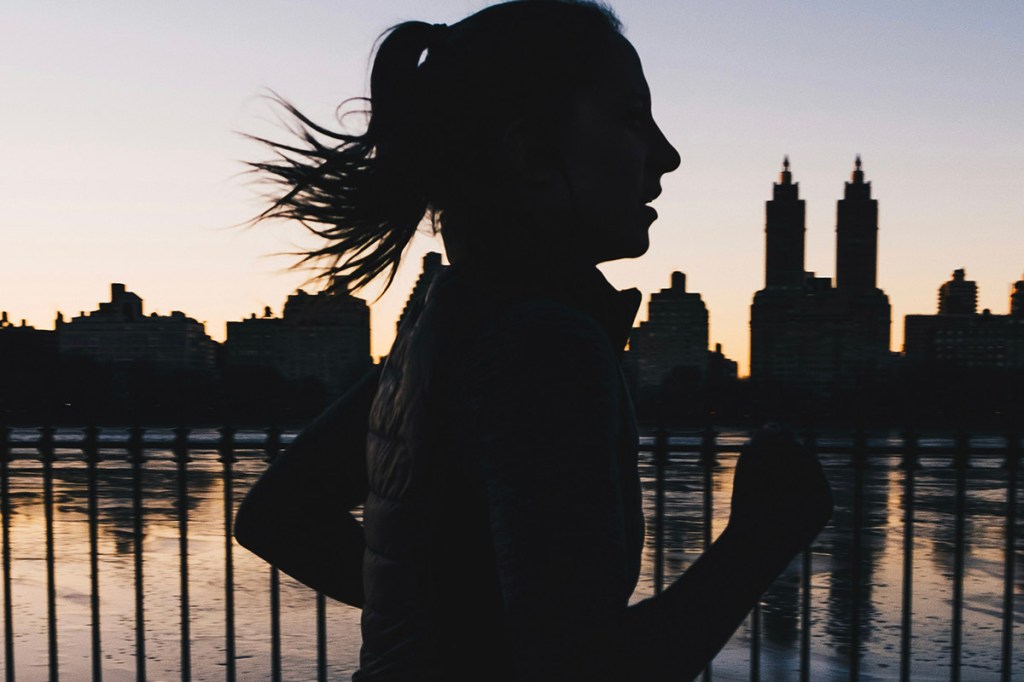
pixel 121 158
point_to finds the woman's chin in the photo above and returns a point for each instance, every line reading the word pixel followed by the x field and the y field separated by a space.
pixel 634 248
pixel 641 248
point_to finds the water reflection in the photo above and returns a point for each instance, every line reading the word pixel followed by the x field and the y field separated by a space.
pixel 856 573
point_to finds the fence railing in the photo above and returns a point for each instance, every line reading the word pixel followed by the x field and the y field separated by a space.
pixel 664 449
pixel 858 453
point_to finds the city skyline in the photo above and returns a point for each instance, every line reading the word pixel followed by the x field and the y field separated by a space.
pixel 121 161
pixel 957 298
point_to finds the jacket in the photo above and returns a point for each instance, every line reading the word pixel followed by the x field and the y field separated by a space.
pixel 503 523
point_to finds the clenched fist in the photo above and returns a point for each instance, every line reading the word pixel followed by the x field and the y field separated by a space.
pixel 780 497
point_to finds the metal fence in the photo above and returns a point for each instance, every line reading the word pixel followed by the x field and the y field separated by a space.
pixel 857 455
pixel 663 450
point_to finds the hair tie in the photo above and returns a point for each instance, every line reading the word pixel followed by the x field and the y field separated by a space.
pixel 435 37
pixel 438 34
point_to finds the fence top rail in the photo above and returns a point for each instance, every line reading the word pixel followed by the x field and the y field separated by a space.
pixel 71 443
pixel 869 450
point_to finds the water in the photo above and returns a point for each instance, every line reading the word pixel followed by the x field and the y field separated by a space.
pixel 833 598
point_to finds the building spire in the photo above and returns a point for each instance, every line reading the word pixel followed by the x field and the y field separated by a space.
pixel 786 178
pixel 858 173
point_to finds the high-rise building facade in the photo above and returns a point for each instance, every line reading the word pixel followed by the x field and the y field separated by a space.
pixel 674 336
pixel 857 237
pixel 119 334
pixel 323 336
pixel 785 218
pixel 959 337
pixel 958 296
pixel 1017 299
pixel 803 330
pixel 432 266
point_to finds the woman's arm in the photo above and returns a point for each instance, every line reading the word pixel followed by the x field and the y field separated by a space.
pixel 543 422
pixel 296 516
pixel 780 501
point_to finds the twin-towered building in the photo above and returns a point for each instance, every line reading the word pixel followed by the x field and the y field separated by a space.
pixel 806 331
pixel 811 332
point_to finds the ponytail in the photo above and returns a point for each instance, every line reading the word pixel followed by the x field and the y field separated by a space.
pixel 434 141
pixel 364 195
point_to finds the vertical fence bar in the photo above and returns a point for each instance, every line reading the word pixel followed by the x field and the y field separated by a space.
pixel 273 449
pixel 859 463
pixel 321 637
pixel 811 445
pixel 1012 468
pixel 227 459
pixel 960 504
pixel 708 459
pixel 90 451
pixel 136 457
pixel 907 600
pixel 660 459
pixel 275 625
pixel 805 615
pixel 5 510
pixel 755 642
pixel 181 460
pixel 46 455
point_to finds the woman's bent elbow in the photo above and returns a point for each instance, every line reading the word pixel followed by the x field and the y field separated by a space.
pixel 247 528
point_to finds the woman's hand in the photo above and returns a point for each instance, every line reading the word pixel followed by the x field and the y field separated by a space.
pixel 780 495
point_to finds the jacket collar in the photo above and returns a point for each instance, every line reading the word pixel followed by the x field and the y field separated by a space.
pixel 582 287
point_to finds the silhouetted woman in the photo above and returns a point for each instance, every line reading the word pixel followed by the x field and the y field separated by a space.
pixel 503 525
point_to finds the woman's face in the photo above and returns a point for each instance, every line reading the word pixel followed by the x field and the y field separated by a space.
pixel 612 158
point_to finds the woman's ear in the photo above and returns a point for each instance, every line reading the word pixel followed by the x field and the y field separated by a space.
pixel 525 156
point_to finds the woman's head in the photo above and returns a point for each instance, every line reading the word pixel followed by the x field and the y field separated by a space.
pixel 517 130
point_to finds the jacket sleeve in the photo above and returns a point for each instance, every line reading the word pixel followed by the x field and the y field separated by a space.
pixel 540 399
pixel 296 516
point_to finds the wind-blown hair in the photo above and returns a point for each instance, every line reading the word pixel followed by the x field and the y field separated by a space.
pixel 441 101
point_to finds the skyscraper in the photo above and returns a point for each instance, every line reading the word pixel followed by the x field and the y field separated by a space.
pixel 785 217
pixel 1017 299
pixel 959 337
pixel 857 236
pixel 323 336
pixel 432 265
pixel 674 337
pixel 958 296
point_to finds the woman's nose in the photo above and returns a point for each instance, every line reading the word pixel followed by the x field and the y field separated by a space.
pixel 664 156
